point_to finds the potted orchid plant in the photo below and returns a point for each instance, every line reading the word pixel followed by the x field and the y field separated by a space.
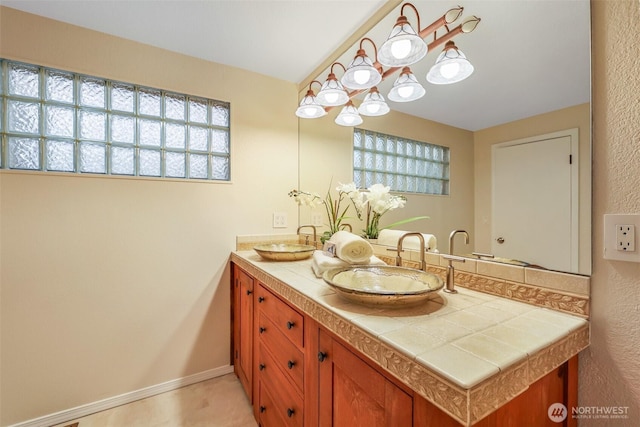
pixel 372 204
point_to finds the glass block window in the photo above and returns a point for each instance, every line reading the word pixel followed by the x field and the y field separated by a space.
pixel 58 121
pixel 403 164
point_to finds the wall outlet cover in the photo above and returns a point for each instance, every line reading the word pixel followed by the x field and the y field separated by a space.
pixel 621 237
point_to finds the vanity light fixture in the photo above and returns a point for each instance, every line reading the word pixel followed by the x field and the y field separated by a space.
pixel 309 107
pixel 332 93
pixel 451 66
pixel 373 104
pixel 349 116
pixel 406 87
pixel 361 73
pixel 403 46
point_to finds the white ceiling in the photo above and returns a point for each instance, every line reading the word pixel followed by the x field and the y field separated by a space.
pixel 530 56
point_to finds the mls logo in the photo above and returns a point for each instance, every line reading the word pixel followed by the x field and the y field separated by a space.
pixel 557 412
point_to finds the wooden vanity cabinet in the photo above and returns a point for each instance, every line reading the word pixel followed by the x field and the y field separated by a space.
pixel 242 324
pixel 297 373
pixel 280 360
pixel 353 393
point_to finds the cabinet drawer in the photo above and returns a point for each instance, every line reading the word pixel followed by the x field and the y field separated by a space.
pixel 286 356
pixel 285 318
pixel 280 404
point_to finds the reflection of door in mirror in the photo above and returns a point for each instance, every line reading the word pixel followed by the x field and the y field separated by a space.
pixel 535 199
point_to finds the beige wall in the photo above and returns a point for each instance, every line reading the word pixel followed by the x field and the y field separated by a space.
pixel 110 285
pixel 326 151
pixel 610 367
pixel 578 116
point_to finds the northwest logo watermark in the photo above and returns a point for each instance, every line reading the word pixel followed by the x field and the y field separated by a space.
pixel 558 412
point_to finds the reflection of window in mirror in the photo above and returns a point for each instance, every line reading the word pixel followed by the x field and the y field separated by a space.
pixel 403 164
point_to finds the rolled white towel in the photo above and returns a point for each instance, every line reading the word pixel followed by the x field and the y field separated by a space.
pixel 390 238
pixel 321 263
pixel 351 248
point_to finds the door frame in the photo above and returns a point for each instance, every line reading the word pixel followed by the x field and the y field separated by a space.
pixel 573 134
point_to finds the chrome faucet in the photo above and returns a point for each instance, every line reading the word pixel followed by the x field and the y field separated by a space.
pixel 450 283
pixel 423 263
pixel 453 234
pixel 306 238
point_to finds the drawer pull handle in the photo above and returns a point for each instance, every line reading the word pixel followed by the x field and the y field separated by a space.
pixel 262 329
pixel 291 364
pixel 321 356
pixel 290 325
pixel 261 366
pixel 262 409
pixel 249 292
pixel 260 299
pixel 290 412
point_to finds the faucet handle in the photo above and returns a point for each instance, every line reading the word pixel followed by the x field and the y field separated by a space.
pixel 454 258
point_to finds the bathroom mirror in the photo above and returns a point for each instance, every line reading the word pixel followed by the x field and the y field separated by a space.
pixel 531 83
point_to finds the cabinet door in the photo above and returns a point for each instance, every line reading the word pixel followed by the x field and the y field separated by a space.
pixel 243 329
pixel 354 394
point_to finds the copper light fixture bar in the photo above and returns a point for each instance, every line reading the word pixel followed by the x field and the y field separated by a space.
pixel 467 26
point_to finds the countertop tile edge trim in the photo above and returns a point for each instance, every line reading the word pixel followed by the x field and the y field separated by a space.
pixel 491 394
pixel 541 297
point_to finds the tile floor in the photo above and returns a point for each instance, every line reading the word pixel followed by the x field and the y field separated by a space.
pixel 219 402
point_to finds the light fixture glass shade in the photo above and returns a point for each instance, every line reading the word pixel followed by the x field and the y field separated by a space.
pixel 309 107
pixel 373 104
pixel 361 74
pixel 406 87
pixel 348 116
pixel 403 46
pixel 332 93
pixel 450 67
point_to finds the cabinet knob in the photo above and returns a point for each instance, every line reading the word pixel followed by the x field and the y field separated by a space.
pixel 261 366
pixel 260 299
pixel 290 412
pixel 262 329
pixel 249 292
pixel 291 364
pixel 262 409
pixel 290 325
pixel 321 356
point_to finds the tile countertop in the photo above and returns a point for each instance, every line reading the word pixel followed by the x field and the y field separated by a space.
pixel 468 353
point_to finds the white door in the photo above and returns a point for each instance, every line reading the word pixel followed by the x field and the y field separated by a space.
pixel 535 199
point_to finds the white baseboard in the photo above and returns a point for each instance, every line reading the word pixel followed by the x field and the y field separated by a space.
pixel 112 402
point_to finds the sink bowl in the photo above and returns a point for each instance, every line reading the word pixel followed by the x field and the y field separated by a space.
pixel 386 286
pixel 284 251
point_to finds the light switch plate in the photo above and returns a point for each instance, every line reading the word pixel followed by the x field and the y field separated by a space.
pixel 279 220
pixel 316 219
pixel 621 231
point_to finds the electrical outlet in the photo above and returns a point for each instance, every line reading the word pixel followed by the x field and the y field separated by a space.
pixel 279 220
pixel 316 219
pixel 626 237
pixel 620 237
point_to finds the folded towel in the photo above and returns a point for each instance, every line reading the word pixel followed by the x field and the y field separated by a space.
pixel 321 263
pixel 351 248
pixel 390 238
